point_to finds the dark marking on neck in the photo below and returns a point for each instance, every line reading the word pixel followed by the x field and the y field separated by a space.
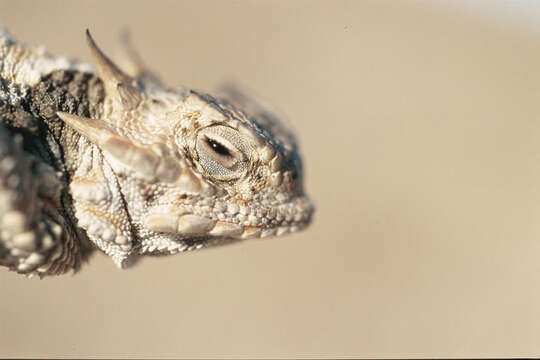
pixel 35 116
pixel 49 139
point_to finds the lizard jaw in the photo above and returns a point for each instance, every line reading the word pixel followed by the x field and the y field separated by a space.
pixel 177 230
pixel 230 219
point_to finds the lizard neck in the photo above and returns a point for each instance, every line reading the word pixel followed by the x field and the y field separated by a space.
pixel 49 139
pixel 33 114
pixel 68 91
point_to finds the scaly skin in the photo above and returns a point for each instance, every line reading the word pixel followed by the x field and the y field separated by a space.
pixel 119 162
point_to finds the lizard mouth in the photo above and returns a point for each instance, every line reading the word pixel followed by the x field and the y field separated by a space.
pixel 264 221
pixel 233 225
pixel 213 223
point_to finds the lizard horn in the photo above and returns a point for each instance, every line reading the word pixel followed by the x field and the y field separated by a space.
pixel 138 159
pixel 117 83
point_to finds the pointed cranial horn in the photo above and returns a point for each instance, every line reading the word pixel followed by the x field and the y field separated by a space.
pixel 117 83
pixel 96 131
pixel 132 63
pixel 138 159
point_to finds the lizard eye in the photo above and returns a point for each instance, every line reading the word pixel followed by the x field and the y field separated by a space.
pixel 218 148
pixel 222 152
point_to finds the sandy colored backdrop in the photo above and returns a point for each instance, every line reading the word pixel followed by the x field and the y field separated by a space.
pixel 420 130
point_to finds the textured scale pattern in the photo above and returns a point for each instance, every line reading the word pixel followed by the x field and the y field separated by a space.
pixel 114 160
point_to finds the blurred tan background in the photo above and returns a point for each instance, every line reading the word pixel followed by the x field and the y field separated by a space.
pixel 420 129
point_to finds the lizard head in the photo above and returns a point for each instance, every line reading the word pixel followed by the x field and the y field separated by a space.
pixel 194 170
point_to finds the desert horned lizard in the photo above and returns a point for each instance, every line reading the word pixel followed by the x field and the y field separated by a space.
pixel 116 161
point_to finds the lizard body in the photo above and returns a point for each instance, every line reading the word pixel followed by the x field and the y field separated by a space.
pixel 118 162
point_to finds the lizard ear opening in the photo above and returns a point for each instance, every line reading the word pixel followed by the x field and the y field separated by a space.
pixel 117 84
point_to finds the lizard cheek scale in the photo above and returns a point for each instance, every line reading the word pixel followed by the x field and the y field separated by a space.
pixel 135 168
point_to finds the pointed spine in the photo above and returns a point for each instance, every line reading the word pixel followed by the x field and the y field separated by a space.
pixel 117 83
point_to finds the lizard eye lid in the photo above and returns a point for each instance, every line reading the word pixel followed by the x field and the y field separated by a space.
pixel 222 152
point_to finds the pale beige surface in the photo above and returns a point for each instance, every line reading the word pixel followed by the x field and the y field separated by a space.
pixel 420 130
